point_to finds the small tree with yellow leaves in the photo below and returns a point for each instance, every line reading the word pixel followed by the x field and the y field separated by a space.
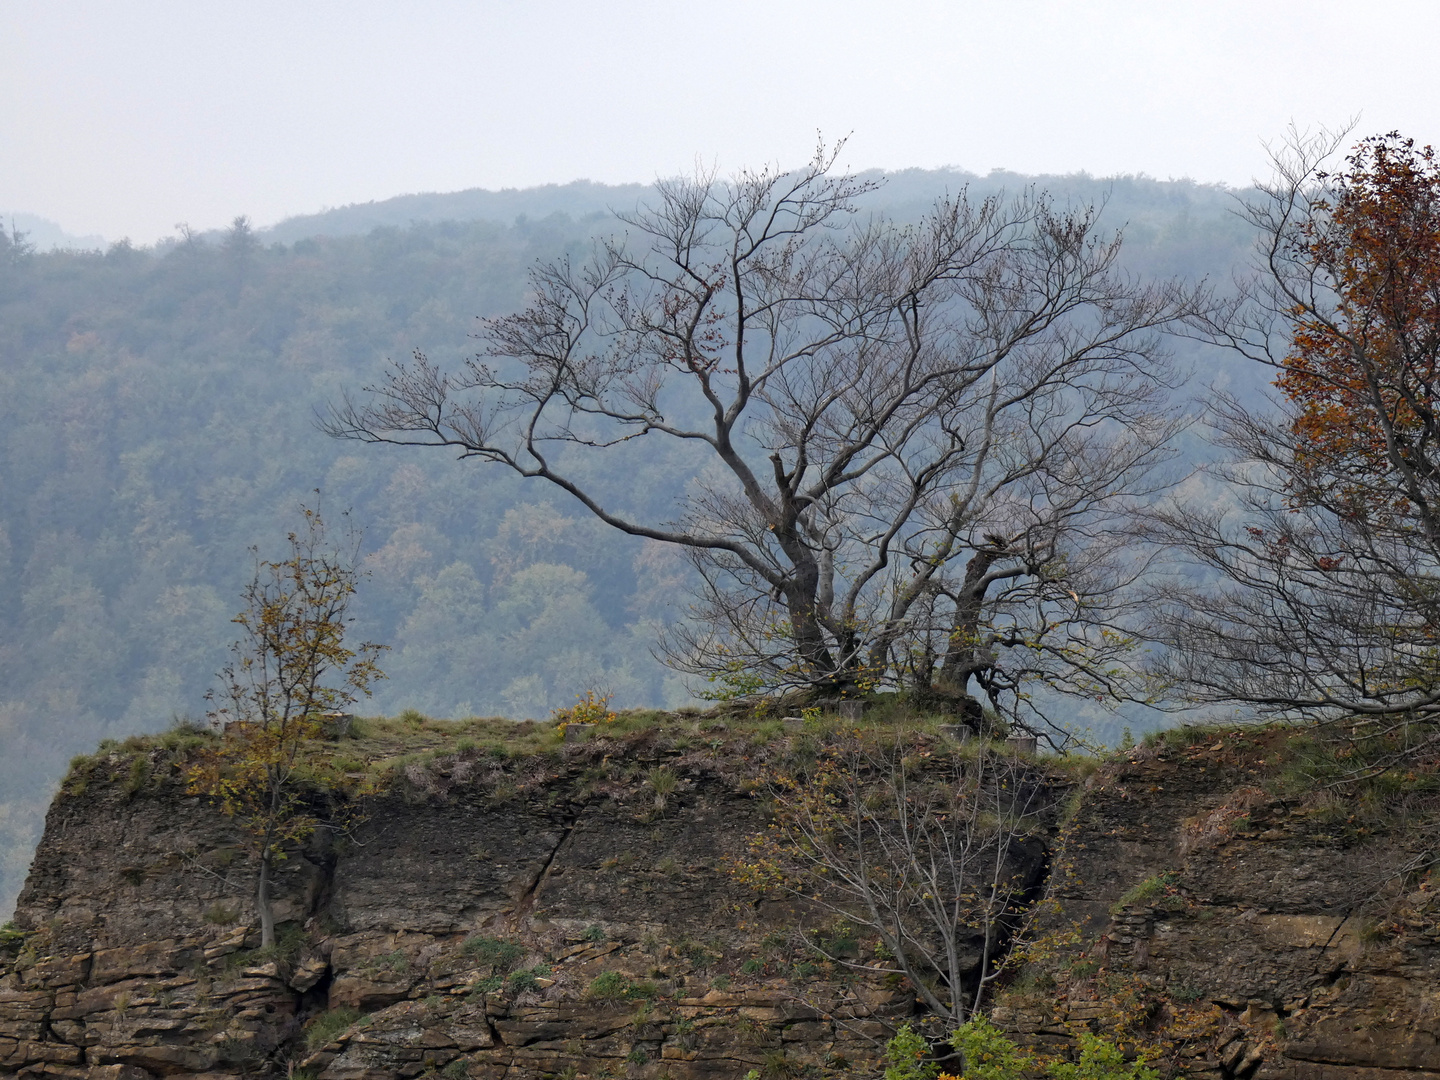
pixel 290 668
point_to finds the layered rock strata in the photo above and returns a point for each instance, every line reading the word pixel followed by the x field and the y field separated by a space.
pixel 139 961
pixel 1246 936
pixel 1251 935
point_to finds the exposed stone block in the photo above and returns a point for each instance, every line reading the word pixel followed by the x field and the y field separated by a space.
pixel 56 971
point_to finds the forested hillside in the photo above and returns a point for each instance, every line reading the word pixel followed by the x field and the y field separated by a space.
pixel 158 411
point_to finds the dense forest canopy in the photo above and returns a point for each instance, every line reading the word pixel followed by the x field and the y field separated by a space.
pixel 158 410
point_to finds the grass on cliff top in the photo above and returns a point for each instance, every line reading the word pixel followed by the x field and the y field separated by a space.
pixel 377 750
pixel 1352 777
pixel 1293 758
pixel 1350 773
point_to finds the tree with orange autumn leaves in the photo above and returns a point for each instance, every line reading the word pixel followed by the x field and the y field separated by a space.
pixel 290 669
pixel 1362 372
pixel 1322 597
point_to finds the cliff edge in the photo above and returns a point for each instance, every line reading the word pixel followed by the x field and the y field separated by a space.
pixel 546 910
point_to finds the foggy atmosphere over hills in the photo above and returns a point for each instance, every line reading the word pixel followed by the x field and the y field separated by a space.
pixel 221 226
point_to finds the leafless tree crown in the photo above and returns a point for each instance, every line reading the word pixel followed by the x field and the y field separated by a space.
pixel 941 857
pixel 914 446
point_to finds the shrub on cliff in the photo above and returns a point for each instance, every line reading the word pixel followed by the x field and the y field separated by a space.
pixel 616 986
pixel 987 1053
pixel 933 849
pixel 277 694
pixel 11 938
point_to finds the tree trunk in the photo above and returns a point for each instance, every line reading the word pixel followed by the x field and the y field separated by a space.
pixel 801 594
pixel 262 901
pixel 964 657
pixel 819 664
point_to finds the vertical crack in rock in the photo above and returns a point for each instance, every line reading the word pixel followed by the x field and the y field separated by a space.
pixel 320 885
pixel 494 1031
pixel 527 898
pixel 1333 934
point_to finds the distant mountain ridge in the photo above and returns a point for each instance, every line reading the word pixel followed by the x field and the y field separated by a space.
pixel 578 200
pixel 902 193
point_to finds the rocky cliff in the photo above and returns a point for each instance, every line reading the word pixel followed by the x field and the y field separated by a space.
pixel 512 917
pixel 1253 921
pixel 555 914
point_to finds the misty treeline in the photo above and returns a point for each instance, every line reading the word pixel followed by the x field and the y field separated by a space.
pixel 158 416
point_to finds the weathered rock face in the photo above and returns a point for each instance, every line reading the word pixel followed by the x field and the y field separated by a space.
pixel 138 963
pixel 1262 940
pixel 1238 931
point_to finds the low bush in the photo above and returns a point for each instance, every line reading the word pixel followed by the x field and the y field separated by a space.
pixel 1101 1059
pixel 589 708
pixel 220 914
pixel 907 1057
pixel 521 981
pixel 987 1053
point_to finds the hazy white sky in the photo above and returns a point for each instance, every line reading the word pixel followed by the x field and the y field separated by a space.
pixel 124 118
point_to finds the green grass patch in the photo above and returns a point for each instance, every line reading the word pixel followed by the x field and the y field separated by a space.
pixel 138 776
pixel 616 986
pixel 1152 888
pixel 497 954
pixel 329 1026
pixel 1182 736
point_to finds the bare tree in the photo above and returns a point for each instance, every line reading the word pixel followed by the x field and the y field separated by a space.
pixel 914 445
pixel 942 857
pixel 1319 595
